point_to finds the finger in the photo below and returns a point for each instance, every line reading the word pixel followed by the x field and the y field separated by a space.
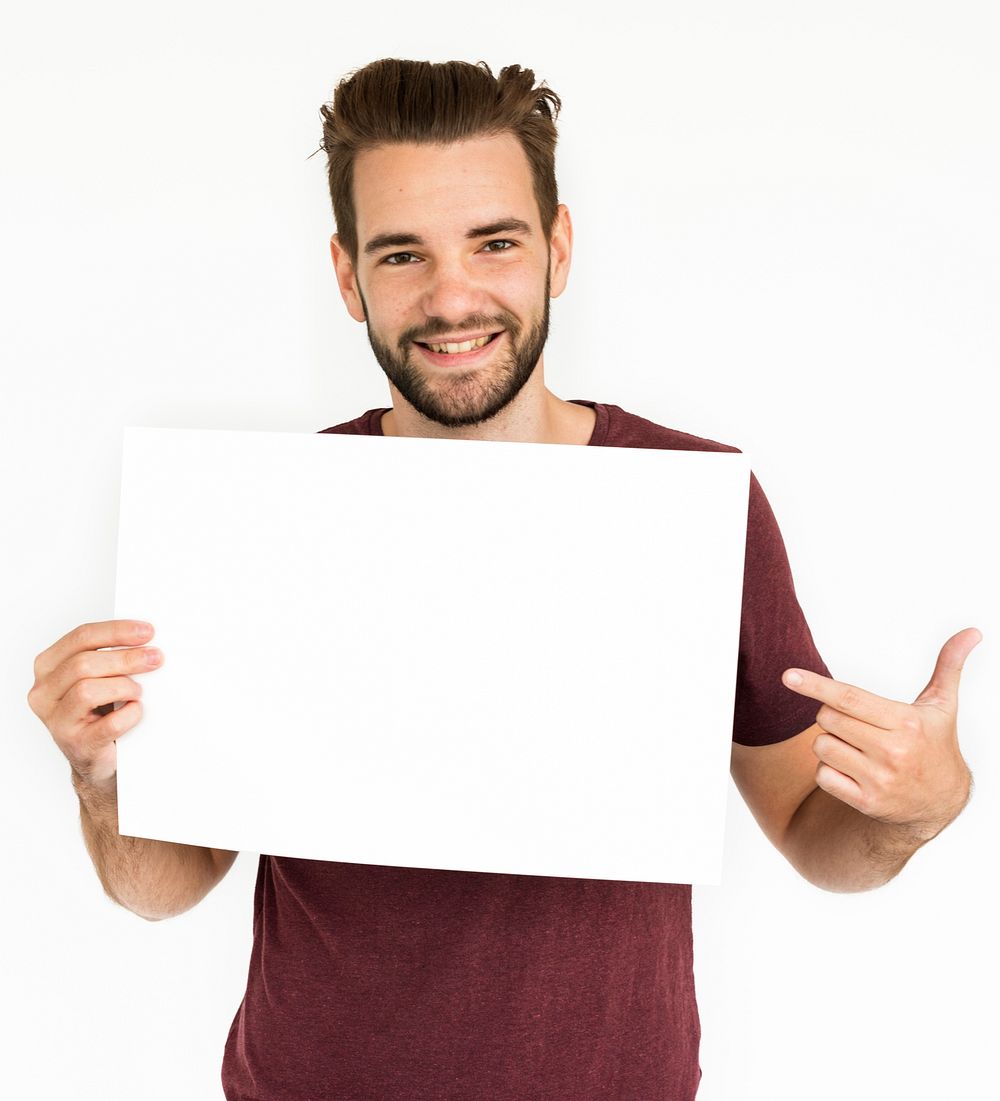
pixel 96 664
pixel 83 732
pixel 88 701
pixel 942 688
pixel 838 754
pixel 863 736
pixel 99 735
pixel 840 786
pixel 846 698
pixel 91 636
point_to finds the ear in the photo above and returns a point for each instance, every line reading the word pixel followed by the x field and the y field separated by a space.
pixel 560 251
pixel 346 279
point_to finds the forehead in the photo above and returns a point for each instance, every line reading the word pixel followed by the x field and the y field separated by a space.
pixel 408 187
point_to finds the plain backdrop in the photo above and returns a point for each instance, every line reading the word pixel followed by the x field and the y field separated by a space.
pixel 786 240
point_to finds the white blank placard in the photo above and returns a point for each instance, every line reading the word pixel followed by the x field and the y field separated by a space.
pixel 455 654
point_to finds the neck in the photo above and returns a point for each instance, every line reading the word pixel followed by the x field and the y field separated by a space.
pixel 550 420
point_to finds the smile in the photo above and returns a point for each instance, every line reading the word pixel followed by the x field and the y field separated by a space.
pixel 464 352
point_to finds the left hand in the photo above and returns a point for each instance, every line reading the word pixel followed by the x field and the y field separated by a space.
pixel 896 762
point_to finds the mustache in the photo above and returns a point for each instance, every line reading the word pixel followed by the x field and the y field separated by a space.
pixel 436 327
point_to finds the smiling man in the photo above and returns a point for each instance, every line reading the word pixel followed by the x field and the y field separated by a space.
pixel 458 321
pixel 413 984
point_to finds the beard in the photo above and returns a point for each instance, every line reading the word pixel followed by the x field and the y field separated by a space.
pixel 456 398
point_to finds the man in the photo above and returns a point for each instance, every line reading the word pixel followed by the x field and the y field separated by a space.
pixel 380 982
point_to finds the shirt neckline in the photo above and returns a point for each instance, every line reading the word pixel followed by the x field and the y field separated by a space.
pixel 597 436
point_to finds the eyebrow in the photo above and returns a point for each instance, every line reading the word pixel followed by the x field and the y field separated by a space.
pixel 504 225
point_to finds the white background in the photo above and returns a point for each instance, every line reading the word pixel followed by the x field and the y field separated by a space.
pixel 786 239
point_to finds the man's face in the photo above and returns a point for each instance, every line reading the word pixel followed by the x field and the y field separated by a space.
pixel 451 249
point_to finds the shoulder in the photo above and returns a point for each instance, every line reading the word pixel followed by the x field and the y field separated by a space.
pixel 623 429
pixel 368 424
pixel 626 429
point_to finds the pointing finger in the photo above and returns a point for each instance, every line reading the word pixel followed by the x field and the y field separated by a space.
pixel 852 701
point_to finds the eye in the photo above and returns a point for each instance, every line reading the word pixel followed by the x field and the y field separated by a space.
pixel 394 257
pixel 510 245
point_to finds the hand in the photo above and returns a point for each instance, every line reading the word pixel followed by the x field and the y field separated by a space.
pixel 76 685
pixel 896 762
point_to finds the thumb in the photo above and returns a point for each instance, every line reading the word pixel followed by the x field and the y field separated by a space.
pixel 942 688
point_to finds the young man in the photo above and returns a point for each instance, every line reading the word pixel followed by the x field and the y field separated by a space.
pixel 382 982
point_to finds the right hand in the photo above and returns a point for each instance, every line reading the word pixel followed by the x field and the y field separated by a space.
pixel 76 687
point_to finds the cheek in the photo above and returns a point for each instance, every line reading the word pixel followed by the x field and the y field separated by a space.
pixel 389 318
pixel 403 310
pixel 521 291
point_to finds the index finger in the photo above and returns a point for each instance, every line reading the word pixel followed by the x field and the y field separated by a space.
pixel 846 698
pixel 92 636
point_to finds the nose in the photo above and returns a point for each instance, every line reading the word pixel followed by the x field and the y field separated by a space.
pixel 451 291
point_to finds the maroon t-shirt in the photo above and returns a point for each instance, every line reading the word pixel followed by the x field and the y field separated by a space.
pixel 373 983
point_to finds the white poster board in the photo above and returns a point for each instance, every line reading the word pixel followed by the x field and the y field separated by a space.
pixel 454 654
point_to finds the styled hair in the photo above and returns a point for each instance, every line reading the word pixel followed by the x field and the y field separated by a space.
pixel 392 101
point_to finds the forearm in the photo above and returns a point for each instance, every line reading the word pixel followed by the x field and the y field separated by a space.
pixel 838 848
pixel 154 879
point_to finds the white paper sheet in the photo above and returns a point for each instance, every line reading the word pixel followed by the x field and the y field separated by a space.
pixel 453 654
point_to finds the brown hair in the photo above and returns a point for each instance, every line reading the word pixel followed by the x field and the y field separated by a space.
pixel 420 101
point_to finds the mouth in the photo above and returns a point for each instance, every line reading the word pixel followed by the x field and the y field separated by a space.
pixel 454 353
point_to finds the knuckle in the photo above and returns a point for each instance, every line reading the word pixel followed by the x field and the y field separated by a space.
pixel 78 666
pixel 849 699
pixel 884 782
pixel 898 754
pixel 823 774
pixel 821 744
pixel 88 692
pixel 913 724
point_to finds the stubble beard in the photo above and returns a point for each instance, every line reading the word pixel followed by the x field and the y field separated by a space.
pixel 457 398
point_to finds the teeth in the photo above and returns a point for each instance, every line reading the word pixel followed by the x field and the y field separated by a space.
pixel 465 346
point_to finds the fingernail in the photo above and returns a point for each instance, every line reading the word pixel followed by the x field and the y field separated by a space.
pixel 793 678
pixel 142 629
pixel 153 656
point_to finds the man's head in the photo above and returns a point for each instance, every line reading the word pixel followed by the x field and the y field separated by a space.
pixel 393 101
pixel 443 187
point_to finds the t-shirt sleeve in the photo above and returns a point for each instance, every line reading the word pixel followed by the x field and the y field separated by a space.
pixel 774 636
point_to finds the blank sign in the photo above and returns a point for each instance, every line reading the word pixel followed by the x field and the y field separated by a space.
pixel 455 654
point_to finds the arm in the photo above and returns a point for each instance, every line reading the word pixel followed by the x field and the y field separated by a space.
pixel 849 800
pixel 77 683
pixel 154 879
pixel 827 842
